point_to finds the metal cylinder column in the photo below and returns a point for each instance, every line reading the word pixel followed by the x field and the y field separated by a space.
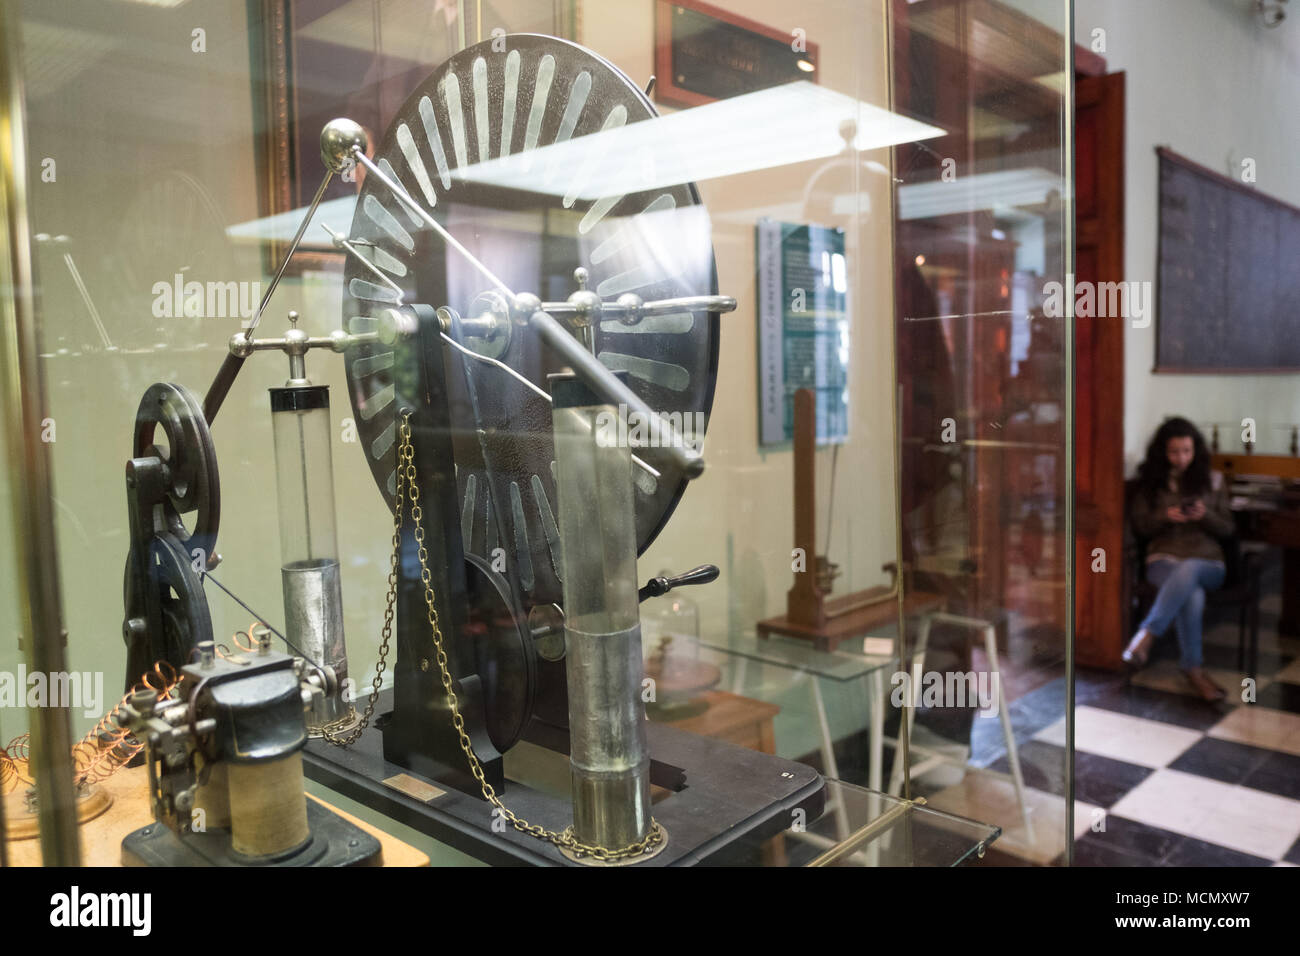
pixel 609 763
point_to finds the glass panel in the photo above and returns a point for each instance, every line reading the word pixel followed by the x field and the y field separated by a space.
pixel 1186 434
pixel 861 827
pixel 709 213
pixel 983 231
pixel 13 718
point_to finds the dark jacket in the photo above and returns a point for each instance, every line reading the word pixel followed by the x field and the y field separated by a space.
pixel 1191 539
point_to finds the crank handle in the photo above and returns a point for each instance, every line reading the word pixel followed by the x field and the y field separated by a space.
pixel 704 574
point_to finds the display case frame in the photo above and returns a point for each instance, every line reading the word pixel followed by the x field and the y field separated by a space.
pixel 946 339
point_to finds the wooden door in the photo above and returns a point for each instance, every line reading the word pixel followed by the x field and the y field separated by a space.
pixel 1099 619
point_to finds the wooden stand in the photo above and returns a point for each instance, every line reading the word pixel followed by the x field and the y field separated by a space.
pixel 855 623
pixel 811 613
pixel 101 837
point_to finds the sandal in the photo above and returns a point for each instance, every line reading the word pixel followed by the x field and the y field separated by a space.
pixel 1204 686
pixel 1138 650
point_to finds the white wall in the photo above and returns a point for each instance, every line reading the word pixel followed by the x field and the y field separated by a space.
pixel 1206 79
pixel 740 514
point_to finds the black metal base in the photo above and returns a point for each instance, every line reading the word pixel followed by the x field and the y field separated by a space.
pixel 333 842
pixel 721 797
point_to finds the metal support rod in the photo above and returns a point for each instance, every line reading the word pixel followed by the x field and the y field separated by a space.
pixel 4 844
pixel 592 371
pixel 225 378
pixel 633 311
pixel 22 400
pixel 293 247
pixel 342 242
pixel 876 826
pixel 336 343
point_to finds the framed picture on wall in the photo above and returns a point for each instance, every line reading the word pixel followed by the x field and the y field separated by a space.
pixel 803 328
pixel 704 53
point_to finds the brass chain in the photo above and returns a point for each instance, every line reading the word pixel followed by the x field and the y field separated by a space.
pixel 406 475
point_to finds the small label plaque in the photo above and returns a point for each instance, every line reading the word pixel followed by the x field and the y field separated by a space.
pixel 419 789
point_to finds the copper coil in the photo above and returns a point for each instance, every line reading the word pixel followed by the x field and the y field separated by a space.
pixel 109 762
pixel 107 747
pixel 157 679
pixel 83 755
pixel 104 750
pixel 17 759
pixel 8 774
pixel 251 646
pixel 18 747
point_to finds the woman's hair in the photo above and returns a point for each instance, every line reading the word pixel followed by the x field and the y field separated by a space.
pixel 1153 473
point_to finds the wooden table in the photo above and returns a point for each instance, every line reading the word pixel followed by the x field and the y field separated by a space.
pixel 101 838
pixel 735 719
pixel 745 722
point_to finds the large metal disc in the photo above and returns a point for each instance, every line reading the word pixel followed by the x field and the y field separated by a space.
pixel 492 145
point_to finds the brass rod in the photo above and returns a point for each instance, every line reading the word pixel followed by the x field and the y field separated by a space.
pixel 4 844
pixel 230 367
pixel 858 837
pixel 23 406
pixel 1068 252
pixel 903 645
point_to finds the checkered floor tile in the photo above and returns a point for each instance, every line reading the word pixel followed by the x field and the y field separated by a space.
pixel 1161 777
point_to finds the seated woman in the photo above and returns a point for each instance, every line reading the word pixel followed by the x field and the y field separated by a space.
pixel 1181 515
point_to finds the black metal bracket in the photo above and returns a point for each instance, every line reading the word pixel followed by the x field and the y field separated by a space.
pixel 418 731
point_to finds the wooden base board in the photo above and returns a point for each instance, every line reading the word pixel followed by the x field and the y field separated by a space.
pixel 857 623
pixel 101 838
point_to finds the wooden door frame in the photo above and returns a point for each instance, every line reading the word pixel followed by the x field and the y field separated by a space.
pixel 1100 596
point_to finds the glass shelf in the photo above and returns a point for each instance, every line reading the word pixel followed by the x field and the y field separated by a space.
pixel 858 827
pixel 797 655
pixel 861 827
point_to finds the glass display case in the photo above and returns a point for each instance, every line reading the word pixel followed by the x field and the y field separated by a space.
pixel 544 431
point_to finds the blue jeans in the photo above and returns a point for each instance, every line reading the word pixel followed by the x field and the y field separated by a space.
pixel 1181 601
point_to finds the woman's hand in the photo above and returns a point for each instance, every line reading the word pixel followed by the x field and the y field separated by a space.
pixel 1177 516
pixel 1196 512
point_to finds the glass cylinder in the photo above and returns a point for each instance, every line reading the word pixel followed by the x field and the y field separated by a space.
pixel 300 424
pixel 313 592
pixel 608 757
